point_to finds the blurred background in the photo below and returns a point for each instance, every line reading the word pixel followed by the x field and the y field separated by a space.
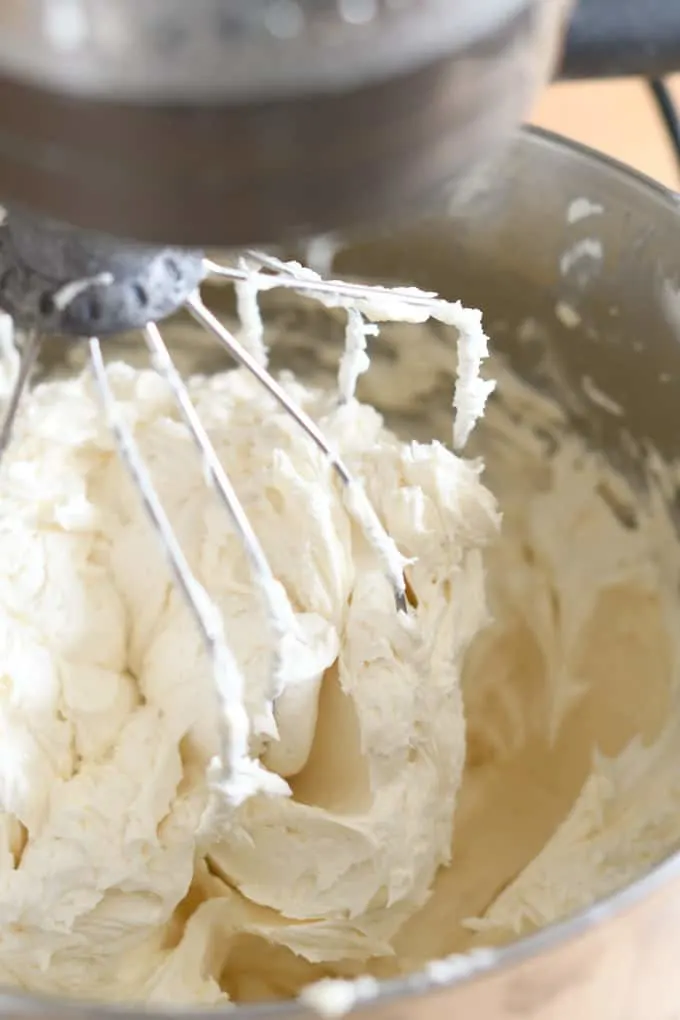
pixel 619 117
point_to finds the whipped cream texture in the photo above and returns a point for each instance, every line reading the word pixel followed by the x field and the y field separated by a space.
pixel 124 875
pixel 439 782
pixel 570 790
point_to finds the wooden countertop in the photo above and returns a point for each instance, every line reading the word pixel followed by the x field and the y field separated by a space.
pixel 618 117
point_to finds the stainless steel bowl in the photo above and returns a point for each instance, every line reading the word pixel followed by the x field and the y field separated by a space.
pixel 618 960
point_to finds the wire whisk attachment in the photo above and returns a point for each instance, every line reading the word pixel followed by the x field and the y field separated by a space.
pixel 55 280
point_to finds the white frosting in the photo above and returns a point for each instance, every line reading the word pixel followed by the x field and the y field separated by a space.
pixel 581 209
pixel 252 327
pixel 355 360
pixel 568 315
pixel 611 680
pixel 108 711
pixel 123 877
pixel 572 695
pixel 588 249
pixel 601 399
pixel 381 305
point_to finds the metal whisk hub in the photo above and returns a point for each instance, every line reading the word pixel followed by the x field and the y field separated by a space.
pixel 57 279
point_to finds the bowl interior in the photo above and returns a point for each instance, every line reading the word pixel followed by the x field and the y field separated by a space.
pixel 575 263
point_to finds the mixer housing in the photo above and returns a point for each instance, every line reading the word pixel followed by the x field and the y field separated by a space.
pixel 232 122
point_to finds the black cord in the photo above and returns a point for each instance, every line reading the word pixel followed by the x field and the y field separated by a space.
pixel 669 112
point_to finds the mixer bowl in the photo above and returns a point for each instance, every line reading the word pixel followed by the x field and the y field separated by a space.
pixel 560 227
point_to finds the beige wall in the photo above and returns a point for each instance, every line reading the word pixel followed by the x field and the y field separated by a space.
pixel 618 117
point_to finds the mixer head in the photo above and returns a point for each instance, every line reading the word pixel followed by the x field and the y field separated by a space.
pixel 231 122
pixel 238 122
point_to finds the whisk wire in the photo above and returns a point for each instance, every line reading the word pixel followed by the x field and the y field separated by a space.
pixel 131 456
pixel 280 611
pixel 29 354
pixel 286 279
pixel 357 501
pixel 245 359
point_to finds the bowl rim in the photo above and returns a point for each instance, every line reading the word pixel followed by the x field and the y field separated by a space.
pixel 545 138
pixel 466 967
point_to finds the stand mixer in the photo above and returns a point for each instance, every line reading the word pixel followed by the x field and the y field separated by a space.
pixel 135 133
pixel 132 132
